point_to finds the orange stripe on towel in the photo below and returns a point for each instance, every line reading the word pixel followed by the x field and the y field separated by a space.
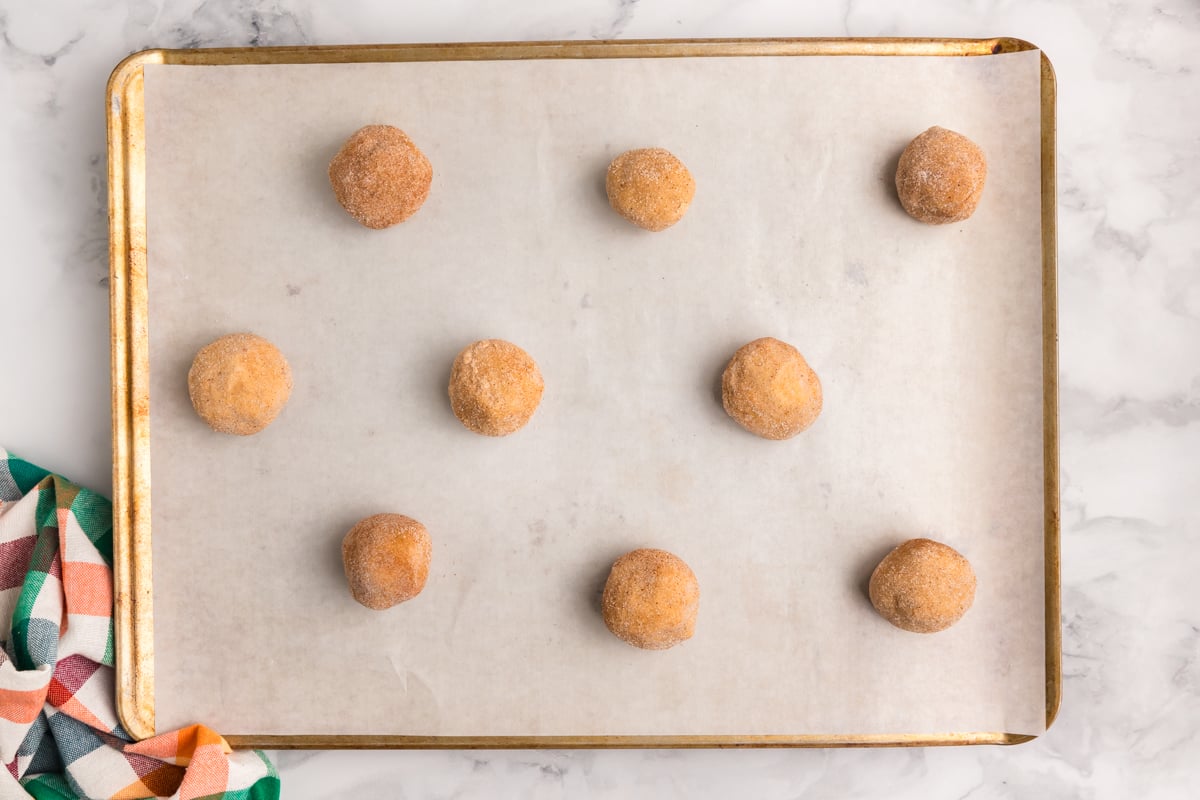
pixel 88 588
pixel 18 706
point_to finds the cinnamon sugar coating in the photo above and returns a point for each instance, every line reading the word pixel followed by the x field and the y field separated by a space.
pixel 651 599
pixel 940 177
pixel 386 558
pixel 380 177
pixel 649 187
pixel 923 586
pixel 239 383
pixel 495 387
pixel 770 390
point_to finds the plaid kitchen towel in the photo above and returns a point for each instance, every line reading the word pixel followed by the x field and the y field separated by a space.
pixel 59 733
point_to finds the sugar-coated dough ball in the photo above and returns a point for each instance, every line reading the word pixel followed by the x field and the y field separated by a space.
pixel 770 390
pixel 386 558
pixel 923 586
pixel 651 599
pixel 380 176
pixel 650 187
pixel 940 177
pixel 239 383
pixel 495 387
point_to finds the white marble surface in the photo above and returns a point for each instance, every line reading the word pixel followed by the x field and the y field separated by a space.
pixel 1129 174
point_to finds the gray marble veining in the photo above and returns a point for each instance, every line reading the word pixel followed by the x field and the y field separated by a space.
pixel 1129 175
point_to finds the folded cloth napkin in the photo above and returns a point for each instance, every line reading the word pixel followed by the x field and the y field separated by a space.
pixel 59 733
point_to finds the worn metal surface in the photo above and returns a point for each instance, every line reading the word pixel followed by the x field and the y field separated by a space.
pixel 134 618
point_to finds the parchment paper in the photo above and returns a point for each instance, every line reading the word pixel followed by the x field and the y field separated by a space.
pixel 927 340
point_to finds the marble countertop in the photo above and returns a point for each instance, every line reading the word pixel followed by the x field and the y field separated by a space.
pixel 1129 227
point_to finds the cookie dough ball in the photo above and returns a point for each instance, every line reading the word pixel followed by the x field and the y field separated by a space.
pixel 923 586
pixel 386 558
pixel 651 599
pixel 940 177
pixel 650 187
pixel 770 390
pixel 380 176
pixel 495 387
pixel 239 383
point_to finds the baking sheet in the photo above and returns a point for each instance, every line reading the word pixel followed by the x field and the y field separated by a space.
pixel 927 339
